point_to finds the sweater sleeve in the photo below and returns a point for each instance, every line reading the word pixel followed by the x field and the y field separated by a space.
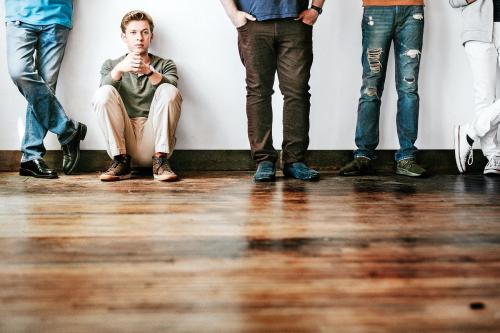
pixel 106 78
pixel 458 3
pixel 169 73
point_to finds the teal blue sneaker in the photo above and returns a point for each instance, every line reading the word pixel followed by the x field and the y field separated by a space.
pixel 266 172
pixel 299 170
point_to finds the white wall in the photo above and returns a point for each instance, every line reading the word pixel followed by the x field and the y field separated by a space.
pixel 199 37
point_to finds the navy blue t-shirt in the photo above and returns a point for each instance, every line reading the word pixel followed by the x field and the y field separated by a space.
pixel 272 9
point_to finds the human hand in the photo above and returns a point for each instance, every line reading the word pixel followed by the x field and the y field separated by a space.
pixel 308 16
pixel 134 63
pixel 240 18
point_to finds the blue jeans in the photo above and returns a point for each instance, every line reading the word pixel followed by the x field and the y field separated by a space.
pixel 35 75
pixel 403 25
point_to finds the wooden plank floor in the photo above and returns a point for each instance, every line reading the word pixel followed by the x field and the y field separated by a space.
pixel 217 253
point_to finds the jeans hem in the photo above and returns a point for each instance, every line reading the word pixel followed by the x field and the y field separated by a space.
pixel 405 158
pixel 356 155
pixel 72 136
pixel 24 160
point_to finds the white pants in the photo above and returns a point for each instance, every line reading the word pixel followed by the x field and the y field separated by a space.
pixel 138 137
pixel 484 59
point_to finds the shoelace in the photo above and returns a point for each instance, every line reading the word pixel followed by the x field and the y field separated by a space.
pixel 494 161
pixel 470 157
pixel 408 162
pixel 166 166
pixel 163 166
pixel 114 164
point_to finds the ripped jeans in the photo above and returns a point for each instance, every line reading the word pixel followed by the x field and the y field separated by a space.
pixel 403 25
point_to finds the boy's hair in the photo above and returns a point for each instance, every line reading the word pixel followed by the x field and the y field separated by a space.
pixel 136 15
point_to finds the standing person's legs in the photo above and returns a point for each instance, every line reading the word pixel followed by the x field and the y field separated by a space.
pixel 50 54
pixel 487 121
pixel 294 61
pixel 256 45
pixel 483 58
pixel 44 112
pixel 377 29
pixel 408 42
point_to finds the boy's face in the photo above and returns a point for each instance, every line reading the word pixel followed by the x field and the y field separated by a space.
pixel 138 37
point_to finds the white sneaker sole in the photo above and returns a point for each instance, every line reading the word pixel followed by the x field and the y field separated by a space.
pixel 166 178
pixel 491 172
pixel 106 178
pixel 456 143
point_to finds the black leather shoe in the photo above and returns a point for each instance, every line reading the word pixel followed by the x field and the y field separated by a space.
pixel 37 169
pixel 71 150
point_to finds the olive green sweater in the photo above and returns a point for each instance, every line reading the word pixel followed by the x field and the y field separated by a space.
pixel 136 91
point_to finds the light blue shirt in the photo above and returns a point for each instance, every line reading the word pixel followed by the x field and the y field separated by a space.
pixel 40 12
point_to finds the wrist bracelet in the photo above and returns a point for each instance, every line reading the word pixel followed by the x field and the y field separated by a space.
pixel 318 9
pixel 150 73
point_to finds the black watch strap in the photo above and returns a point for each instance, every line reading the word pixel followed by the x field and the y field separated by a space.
pixel 152 71
pixel 318 9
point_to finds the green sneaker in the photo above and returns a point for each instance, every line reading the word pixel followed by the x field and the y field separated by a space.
pixel 358 166
pixel 409 167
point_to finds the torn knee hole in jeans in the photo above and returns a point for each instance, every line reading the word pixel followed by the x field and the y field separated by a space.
pixel 413 53
pixel 371 92
pixel 409 80
pixel 374 59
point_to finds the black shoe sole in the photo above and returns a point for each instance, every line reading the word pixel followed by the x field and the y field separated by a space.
pixel 29 173
pixel 265 180
pixel 69 169
pixel 356 173
pixel 314 179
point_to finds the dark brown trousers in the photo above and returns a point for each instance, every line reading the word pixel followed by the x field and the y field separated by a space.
pixel 267 48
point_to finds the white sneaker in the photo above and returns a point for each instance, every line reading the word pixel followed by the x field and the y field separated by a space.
pixel 463 150
pixel 493 166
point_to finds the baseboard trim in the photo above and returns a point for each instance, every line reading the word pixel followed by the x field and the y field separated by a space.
pixel 435 161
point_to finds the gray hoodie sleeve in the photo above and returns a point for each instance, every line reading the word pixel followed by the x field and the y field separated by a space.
pixel 458 3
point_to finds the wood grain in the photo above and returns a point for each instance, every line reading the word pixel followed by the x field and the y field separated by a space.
pixel 217 253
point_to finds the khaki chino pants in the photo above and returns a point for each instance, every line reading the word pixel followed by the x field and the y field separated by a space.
pixel 138 137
